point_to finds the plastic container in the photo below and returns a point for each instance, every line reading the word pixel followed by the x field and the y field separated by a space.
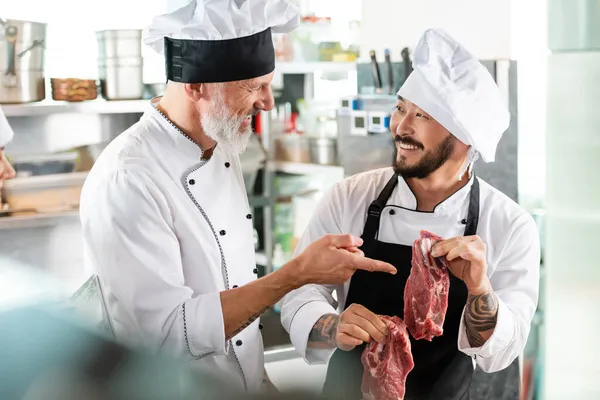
pixel 44 164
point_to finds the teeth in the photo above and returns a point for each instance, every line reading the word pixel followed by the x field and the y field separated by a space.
pixel 408 146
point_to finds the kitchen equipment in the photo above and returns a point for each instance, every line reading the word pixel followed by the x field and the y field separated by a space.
pixel 46 193
pixel 21 61
pixel 292 148
pixel 358 123
pixel 379 122
pixel 118 43
pixel 44 164
pixel 323 150
pixel 390 71
pixel 406 62
pixel 121 78
pixel 73 89
pixel 376 73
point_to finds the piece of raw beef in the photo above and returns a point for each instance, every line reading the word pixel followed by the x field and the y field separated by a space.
pixel 386 365
pixel 426 290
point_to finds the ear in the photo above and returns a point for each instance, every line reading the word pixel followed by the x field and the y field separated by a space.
pixel 195 91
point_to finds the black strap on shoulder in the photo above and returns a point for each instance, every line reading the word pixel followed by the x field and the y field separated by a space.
pixel 375 209
pixel 473 216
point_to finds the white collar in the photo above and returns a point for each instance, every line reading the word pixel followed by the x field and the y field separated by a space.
pixel 405 198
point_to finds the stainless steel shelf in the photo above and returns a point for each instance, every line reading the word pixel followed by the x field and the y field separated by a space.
pixel 37 220
pixel 99 106
pixel 305 168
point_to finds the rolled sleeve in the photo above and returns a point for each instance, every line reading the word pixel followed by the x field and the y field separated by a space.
pixel 515 282
pixel 130 243
pixel 301 325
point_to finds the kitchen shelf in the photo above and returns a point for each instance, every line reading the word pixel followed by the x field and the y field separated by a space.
pixel 99 106
pixel 311 67
pixel 305 168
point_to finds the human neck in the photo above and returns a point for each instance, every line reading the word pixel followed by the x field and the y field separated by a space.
pixel 185 117
pixel 436 188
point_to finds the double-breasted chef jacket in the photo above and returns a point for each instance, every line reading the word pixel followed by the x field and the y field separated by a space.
pixel 513 257
pixel 166 232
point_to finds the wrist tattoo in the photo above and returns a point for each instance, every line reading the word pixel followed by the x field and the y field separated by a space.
pixel 480 317
pixel 248 322
pixel 323 332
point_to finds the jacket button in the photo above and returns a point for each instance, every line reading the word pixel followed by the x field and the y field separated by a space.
pixel 192 182
pixel 260 326
pixel 227 165
pixel 249 216
pixel 392 212
pixel 255 270
pixel 234 286
pixel 238 343
pixel 222 233
pixel 463 221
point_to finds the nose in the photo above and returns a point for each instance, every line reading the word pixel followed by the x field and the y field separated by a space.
pixel 401 125
pixel 267 102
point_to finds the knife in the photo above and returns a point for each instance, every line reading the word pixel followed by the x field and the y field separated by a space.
pixel 376 73
pixel 390 71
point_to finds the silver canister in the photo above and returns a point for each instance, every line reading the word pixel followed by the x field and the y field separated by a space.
pixel 21 61
pixel 121 78
pixel 323 150
pixel 119 43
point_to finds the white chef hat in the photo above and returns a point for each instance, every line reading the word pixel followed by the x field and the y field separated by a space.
pixel 6 132
pixel 452 86
pixel 220 40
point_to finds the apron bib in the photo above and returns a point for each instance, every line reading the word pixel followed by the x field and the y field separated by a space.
pixel 441 371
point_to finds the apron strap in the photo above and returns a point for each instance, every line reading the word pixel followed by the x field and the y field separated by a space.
pixel 473 216
pixel 374 212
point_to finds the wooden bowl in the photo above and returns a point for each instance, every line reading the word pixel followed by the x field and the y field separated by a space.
pixel 73 89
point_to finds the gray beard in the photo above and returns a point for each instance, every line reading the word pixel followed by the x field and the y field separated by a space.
pixel 224 128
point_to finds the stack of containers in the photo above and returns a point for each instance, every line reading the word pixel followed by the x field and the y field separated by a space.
pixel 120 63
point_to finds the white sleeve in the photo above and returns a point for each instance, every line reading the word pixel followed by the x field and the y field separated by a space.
pixel 6 132
pixel 515 281
pixel 303 307
pixel 130 242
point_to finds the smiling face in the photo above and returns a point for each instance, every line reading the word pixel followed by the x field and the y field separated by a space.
pixel 226 118
pixel 421 144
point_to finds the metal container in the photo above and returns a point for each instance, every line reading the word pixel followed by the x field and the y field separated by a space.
pixel 122 78
pixel 323 151
pixel 21 61
pixel 119 43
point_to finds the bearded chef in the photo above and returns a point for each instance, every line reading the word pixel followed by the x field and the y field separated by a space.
pixel 166 222
pixel 449 112
pixel 6 135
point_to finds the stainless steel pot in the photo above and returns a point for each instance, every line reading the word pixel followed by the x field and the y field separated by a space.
pixel 323 151
pixel 119 43
pixel 121 78
pixel 21 61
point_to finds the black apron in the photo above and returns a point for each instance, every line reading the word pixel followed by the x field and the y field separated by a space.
pixel 441 371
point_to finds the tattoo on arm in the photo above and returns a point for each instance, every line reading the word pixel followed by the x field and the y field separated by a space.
pixel 480 317
pixel 248 322
pixel 323 332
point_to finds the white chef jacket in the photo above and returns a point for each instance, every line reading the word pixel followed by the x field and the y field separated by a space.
pixel 166 232
pixel 6 132
pixel 513 256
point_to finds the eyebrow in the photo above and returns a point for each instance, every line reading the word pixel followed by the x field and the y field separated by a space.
pixel 401 98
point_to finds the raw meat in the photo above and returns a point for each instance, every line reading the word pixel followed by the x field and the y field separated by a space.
pixel 426 290
pixel 386 365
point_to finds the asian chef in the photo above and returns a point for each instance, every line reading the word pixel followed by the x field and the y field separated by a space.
pixel 449 112
pixel 6 135
pixel 166 222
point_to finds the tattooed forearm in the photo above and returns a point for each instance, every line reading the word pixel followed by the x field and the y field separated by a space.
pixel 323 333
pixel 248 322
pixel 480 317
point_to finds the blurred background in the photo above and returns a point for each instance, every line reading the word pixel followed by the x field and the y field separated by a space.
pixel 79 76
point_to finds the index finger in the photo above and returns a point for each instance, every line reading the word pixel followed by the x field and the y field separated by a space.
pixel 443 247
pixel 373 318
pixel 368 264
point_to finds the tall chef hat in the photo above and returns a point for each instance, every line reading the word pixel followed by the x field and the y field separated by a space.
pixel 458 91
pixel 220 40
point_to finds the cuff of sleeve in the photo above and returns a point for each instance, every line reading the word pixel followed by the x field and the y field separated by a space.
pixel 501 337
pixel 203 326
pixel 302 323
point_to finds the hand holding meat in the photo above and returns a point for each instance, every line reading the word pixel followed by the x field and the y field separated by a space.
pixel 358 325
pixel 333 259
pixel 466 257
